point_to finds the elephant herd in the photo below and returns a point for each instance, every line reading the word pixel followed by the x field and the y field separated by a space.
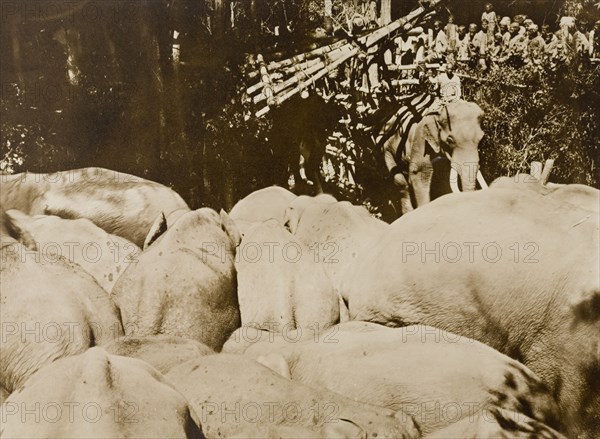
pixel 124 313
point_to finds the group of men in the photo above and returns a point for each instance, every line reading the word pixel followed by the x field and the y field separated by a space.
pixel 498 41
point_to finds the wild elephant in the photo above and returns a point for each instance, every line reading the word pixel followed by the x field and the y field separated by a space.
pixel 261 205
pixel 435 376
pixel 101 254
pixel 281 284
pixel 454 132
pixel 121 204
pixel 4 394
pixel 579 195
pixel 237 396
pixel 97 395
pixel 296 208
pixel 163 352
pixel 184 283
pixel 337 233
pixel 11 233
pixel 340 429
pixel 510 268
pixel 50 308
pixel 497 423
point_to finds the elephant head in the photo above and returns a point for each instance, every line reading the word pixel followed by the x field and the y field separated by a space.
pixel 454 132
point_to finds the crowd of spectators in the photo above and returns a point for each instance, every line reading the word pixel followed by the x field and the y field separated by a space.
pixel 501 41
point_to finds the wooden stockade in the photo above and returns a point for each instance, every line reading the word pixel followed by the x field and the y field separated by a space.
pixel 278 81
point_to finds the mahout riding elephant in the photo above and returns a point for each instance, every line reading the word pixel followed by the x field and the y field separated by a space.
pixel 452 133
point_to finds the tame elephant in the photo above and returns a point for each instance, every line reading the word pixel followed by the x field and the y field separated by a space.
pixel 454 132
pixel 299 137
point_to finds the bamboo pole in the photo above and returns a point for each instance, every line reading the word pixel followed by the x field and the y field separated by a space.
pixel 405 82
pixel 347 51
pixel 273 65
pixel 368 40
pixel 305 84
pixel 395 67
pixel 301 66
pixel 294 67
pixel 296 78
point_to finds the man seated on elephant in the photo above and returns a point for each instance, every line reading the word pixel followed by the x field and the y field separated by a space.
pixel 447 88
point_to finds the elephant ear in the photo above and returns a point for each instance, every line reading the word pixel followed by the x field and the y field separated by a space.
pixel 229 227
pixel 431 135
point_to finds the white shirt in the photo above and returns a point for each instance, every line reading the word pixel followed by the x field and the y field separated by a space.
pixel 450 88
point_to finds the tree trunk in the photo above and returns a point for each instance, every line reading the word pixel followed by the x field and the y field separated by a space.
pixel 386 12
pixel 229 187
pixel 218 19
pixel 16 52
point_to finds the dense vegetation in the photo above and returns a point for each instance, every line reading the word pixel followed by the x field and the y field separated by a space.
pixel 100 84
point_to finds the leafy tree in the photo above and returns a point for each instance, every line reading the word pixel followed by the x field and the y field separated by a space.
pixel 534 114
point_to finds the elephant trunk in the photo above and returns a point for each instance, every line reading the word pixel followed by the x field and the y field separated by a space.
pixel 467 167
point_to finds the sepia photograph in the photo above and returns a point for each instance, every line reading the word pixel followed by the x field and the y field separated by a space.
pixel 300 219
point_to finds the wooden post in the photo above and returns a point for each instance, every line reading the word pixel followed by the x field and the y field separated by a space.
pixel 546 171
pixel 386 12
